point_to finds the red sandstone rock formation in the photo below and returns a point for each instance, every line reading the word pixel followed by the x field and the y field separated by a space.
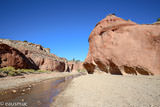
pixel 38 55
pixel 75 65
pixel 12 57
pixel 118 46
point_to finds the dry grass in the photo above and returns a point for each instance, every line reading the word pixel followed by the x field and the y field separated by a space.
pixel 11 71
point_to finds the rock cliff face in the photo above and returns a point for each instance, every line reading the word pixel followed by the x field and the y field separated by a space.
pixel 118 46
pixel 75 65
pixel 36 54
pixel 12 57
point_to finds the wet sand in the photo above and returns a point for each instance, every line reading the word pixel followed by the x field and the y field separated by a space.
pixel 37 90
pixel 104 90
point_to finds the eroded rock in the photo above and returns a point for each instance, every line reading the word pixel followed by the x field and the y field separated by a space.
pixel 75 65
pixel 116 43
pixel 36 54
pixel 12 57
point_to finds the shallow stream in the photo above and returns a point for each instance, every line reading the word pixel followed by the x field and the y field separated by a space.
pixel 41 94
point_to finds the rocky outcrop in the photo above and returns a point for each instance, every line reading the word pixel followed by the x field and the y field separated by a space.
pixel 119 46
pixel 75 65
pixel 12 57
pixel 38 55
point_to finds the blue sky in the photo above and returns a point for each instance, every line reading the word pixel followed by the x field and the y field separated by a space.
pixel 65 25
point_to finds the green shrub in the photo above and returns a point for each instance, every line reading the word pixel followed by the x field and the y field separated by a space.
pixel 41 71
pixel 26 71
pixel 158 19
pixel 11 71
pixel 73 59
pixel 7 69
pixel 78 61
pixel 14 73
pixel 25 41
pixel 81 70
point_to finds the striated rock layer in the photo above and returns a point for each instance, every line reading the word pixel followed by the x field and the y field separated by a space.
pixel 118 46
pixel 41 57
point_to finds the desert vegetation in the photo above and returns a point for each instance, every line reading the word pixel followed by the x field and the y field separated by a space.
pixel 11 71
pixel 82 70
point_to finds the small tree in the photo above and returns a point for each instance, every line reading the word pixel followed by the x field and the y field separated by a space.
pixel 158 19
pixel 25 41
pixel 73 59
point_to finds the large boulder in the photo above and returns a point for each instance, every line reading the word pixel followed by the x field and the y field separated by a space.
pixel 120 46
pixel 42 57
pixel 12 57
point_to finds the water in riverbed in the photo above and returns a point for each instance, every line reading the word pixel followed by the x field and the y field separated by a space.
pixel 39 95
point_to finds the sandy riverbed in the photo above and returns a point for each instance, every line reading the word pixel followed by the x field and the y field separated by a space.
pixel 104 90
pixel 18 81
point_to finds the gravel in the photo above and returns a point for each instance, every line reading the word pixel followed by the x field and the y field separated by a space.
pixel 104 90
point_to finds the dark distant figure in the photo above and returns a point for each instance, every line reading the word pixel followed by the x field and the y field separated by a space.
pixel 68 69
